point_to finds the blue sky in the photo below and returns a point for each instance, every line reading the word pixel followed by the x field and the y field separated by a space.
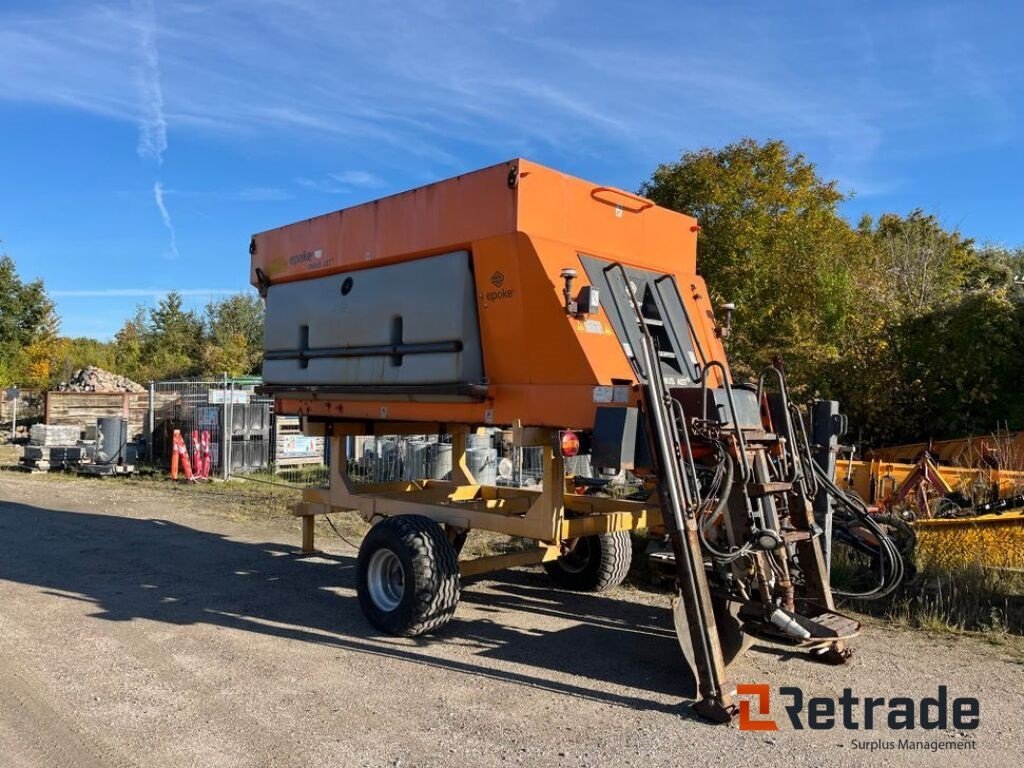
pixel 141 143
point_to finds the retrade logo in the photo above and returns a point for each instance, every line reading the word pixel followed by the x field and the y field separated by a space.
pixel 497 279
pixel 759 695
pixel 852 713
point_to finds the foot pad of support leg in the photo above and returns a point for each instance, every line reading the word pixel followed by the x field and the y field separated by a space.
pixel 714 710
pixel 834 655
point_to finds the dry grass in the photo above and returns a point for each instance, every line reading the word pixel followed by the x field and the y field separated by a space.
pixel 968 599
pixel 964 599
pixel 9 453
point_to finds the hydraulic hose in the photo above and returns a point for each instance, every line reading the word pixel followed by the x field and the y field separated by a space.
pixel 888 553
pixel 721 487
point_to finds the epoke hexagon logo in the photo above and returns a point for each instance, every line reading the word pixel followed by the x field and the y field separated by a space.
pixel 497 279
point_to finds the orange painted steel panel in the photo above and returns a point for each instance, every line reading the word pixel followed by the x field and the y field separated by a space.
pixel 452 214
pixel 563 405
pixel 601 220
pixel 541 364
pixel 440 217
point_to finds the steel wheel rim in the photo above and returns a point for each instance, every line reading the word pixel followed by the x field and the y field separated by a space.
pixel 385 580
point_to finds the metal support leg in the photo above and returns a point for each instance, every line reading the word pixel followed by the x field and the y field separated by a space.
pixel 694 619
pixel 308 526
pixel 461 473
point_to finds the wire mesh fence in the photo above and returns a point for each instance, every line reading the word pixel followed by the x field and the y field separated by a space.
pixel 191 408
pixel 230 422
pixel 245 438
pixel 490 456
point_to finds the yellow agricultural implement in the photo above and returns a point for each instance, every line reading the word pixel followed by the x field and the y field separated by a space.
pixel 961 516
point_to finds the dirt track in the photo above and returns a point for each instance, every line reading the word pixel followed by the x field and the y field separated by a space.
pixel 140 627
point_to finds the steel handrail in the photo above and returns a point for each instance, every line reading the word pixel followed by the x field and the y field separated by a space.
pixel 686 315
pixel 797 470
pixel 745 472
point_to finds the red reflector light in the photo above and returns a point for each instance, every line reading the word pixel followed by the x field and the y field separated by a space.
pixel 570 443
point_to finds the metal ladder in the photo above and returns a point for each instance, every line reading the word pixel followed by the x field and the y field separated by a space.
pixel 679 494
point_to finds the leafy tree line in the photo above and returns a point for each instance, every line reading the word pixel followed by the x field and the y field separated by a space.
pixel 168 342
pixel 918 330
pixel 163 342
pixel 29 341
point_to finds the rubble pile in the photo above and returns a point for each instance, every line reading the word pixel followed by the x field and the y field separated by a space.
pixel 93 379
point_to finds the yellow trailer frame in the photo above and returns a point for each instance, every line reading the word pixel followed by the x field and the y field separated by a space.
pixel 548 516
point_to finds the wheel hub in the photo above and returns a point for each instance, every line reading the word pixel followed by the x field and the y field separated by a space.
pixel 385 579
pixel 578 556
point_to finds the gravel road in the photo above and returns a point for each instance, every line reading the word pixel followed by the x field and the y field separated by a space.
pixel 145 627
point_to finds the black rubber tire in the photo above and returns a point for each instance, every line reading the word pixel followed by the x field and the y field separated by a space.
pixel 431 575
pixel 596 563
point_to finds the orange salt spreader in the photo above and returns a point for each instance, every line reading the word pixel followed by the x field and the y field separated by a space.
pixel 571 316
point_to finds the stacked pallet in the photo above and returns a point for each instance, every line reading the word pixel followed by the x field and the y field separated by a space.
pixel 52 446
pixel 42 458
pixel 292 448
pixel 54 434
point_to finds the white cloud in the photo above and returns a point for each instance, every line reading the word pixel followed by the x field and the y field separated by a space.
pixel 326 187
pixel 358 179
pixel 264 194
pixel 158 197
pixel 412 87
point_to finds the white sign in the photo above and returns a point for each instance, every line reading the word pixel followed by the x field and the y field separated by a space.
pixel 228 396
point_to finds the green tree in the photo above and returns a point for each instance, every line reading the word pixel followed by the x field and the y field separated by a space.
pixel 924 266
pixel 168 342
pixel 962 366
pixel 914 328
pixel 233 338
pixel 82 351
pixel 951 363
pixel 29 343
pixel 772 241
pixel 172 343
pixel 128 345
pixel 998 268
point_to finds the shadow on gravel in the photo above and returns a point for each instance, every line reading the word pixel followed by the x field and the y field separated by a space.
pixel 132 568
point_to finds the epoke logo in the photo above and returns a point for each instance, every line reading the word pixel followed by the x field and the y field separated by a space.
pixel 497 279
pixel 306 257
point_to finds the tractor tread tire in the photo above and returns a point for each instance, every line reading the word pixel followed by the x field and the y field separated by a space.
pixel 425 551
pixel 607 568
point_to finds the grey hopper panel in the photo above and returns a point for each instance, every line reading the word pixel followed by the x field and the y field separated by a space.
pixel 413 323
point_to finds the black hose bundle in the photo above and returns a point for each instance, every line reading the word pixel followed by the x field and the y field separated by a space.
pixel 890 561
pixel 716 492
pixel 716 497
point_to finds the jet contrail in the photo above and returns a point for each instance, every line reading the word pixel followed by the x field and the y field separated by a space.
pixel 152 125
pixel 158 196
